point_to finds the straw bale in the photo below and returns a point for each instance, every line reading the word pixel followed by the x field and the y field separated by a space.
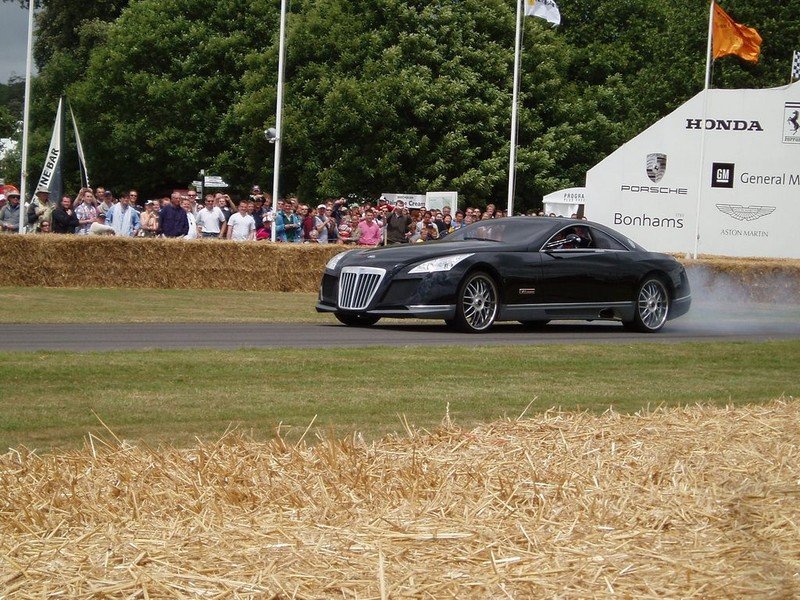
pixel 83 261
pixel 699 501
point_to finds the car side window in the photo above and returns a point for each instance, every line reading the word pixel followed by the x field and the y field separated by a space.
pixel 606 242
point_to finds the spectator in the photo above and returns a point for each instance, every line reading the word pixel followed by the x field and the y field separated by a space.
pixel 106 202
pixel 86 210
pixel 9 214
pixel 324 224
pixel 192 196
pixel 172 219
pixel 398 224
pixel 210 219
pixel 309 232
pixel 186 205
pixel 99 227
pixel 241 225
pixel 123 218
pixel 344 231
pixel 369 232
pixel 287 224
pixel 149 219
pixel 40 210
pixel 64 218
pixel 133 197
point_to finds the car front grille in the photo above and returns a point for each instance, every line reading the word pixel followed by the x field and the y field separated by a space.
pixel 357 286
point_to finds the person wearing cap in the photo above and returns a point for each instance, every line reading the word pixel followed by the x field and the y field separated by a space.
pixel 323 224
pixel 9 214
pixel 99 227
pixel 106 202
pixel 149 219
pixel 40 210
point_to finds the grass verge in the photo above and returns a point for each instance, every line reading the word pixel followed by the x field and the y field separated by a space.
pixel 49 400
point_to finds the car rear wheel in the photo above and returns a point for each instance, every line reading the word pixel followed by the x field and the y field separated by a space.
pixel 652 306
pixel 357 320
pixel 477 303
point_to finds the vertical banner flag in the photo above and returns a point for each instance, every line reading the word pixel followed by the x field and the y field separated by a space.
pixel 50 181
pixel 729 37
pixel 545 9
pixel 796 65
pixel 81 156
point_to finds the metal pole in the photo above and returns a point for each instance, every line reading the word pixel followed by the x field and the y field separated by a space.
pixel 278 119
pixel 709 61
pixel 512 159
pixel 23 179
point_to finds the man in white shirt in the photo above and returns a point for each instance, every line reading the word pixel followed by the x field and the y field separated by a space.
pixel 242 226
pixel 210 219
pixel 187 206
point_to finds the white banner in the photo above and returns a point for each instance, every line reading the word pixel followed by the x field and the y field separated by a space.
pixel 50 179
pixel 81 156
pixel 412 201
pixel 748 201
pixel 441 199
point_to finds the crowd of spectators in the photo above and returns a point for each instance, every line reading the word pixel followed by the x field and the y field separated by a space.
pixel 185 215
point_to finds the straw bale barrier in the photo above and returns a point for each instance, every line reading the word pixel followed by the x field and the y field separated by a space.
pixel 672 503
pixel 78 261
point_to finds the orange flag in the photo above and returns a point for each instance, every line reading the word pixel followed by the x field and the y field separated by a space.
pixel 729 37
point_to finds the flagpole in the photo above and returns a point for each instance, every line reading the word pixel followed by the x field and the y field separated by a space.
pixel 25 117
pixel 512 159
pixel 278 120
pixel 707 85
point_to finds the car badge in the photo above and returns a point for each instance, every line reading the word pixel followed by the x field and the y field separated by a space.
pixel 656 166
pixel 370 256
pixel 745 213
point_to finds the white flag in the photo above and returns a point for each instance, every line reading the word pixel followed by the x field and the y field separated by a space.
pixel 546 9
pixel 796 65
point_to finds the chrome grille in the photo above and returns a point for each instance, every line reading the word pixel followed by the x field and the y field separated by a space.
pixel 357 286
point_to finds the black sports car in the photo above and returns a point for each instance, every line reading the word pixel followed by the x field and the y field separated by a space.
pixel 527 269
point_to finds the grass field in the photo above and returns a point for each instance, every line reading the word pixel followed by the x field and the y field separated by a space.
pixel 53 399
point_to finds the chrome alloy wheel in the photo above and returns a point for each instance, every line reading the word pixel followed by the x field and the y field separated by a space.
pixel 652 305
pixel 478 303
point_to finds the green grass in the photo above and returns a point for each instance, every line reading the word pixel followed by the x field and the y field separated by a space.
pixel 48 399
pixel 117 305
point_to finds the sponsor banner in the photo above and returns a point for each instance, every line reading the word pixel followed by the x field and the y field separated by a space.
pixel 412 201
pixel 441 199
pixel 50 180
pixel 744 194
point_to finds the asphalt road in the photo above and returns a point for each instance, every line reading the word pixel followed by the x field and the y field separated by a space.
pixel 704 323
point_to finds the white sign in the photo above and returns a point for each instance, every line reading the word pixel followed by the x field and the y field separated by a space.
pixel 412 201
pixel 214 181
pixel 434 200
pixel 741 198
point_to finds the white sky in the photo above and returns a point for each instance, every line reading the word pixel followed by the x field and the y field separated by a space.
pixel 13 40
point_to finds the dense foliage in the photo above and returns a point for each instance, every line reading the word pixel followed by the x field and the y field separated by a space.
pixel 381 95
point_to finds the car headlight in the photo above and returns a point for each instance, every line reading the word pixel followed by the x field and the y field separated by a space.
pixel 335 260
pixel 444 263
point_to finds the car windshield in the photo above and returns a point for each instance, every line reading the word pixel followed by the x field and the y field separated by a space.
pixel 510 231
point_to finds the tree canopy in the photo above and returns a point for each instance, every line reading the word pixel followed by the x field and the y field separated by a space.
pixel 380 95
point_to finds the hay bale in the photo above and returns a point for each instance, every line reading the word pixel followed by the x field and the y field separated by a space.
pixel 700 501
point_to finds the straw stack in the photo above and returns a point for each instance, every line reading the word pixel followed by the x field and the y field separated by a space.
pixel 700 502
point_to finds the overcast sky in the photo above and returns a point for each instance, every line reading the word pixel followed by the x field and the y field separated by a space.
pixel 13 40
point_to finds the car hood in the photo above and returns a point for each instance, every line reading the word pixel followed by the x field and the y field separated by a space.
pixel 402 254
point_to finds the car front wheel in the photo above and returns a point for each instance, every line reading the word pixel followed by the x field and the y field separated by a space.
pixel 652 306
pixel 477 303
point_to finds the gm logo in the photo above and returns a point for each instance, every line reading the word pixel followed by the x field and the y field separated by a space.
pixel 722 175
